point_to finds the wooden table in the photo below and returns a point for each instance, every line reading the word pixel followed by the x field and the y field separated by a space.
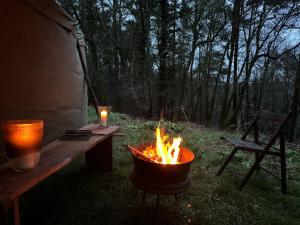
pixel 54 156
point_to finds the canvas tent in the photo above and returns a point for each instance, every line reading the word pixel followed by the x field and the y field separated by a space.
pixel 41 75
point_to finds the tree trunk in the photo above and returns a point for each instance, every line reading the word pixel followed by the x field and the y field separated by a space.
pixel 212 103
pixel 235 74
pixel 234 37
pixel 141 78
pixel 163 53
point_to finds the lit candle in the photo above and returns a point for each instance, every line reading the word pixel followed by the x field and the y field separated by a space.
pixel 22 141
pixel 103 116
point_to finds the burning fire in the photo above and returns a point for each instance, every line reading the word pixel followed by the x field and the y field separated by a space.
pixel 163 151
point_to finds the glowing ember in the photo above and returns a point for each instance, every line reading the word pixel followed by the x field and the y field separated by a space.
pixel 163 151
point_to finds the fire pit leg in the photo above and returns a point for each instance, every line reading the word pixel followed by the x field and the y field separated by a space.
pixel 144 198
pixel 157 204
pixel 176 198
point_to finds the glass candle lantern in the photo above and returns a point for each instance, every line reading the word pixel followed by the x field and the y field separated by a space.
pixel 103 118
pixel 22 141
pixel 103 112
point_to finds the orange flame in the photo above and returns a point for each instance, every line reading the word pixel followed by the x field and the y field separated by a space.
pixel 164 152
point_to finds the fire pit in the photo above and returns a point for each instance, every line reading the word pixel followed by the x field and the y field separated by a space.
pixel 161 168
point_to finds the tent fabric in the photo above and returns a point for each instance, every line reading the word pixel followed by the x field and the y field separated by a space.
pixel 52 10
pixel 41 75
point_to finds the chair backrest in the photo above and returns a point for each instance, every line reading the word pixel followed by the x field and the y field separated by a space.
pixel 278 122
pixel 275 117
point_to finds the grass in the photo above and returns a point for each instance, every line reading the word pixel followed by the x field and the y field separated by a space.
pixel 75 196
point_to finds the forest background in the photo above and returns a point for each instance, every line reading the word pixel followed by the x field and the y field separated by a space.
pixel 212 62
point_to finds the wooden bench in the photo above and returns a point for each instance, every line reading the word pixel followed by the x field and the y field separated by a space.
pixel 54 156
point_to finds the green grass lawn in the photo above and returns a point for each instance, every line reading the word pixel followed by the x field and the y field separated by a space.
pixel 74 196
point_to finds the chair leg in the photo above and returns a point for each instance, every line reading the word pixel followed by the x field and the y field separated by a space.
pixel 227 161
pixel 283 175
pixel 251 171
pixel 256 159
pixel 283 164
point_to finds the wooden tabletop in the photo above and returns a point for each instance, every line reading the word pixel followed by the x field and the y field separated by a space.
pixel 54 156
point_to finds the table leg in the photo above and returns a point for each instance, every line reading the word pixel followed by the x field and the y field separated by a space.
pixel 99 158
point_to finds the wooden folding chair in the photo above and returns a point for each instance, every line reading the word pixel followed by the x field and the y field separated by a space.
pixel 260 148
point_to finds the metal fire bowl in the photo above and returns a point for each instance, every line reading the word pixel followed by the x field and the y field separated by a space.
pixel 162 178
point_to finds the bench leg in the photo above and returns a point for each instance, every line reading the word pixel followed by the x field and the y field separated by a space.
pixel 8 210
pixel 16 211
pixel 4 216
pixel 99 158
